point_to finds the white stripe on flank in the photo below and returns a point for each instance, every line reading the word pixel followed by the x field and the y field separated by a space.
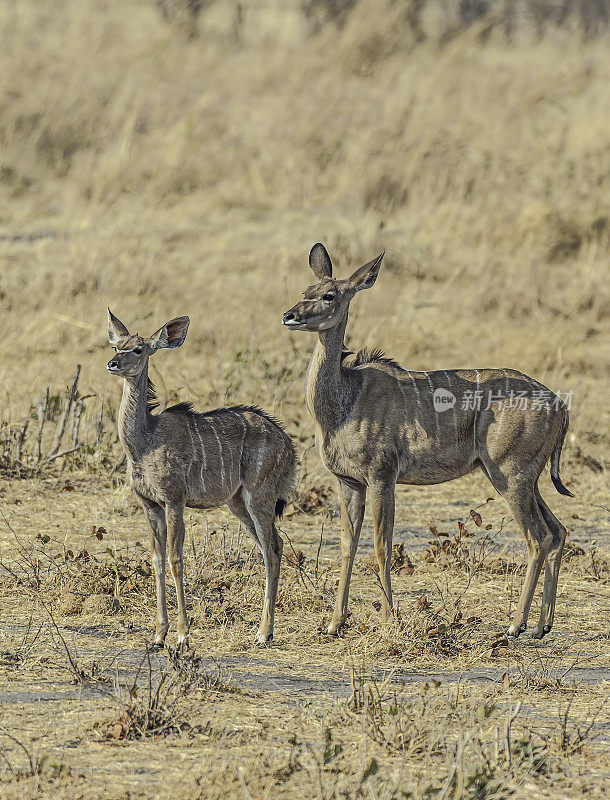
pixel 474 426
pixel 506 379
pixel 231 464
pixel 204 461
pixel 280 453
pixel 188 427
pixel 454 409
pixel 193 445
pixel 438 428
pixel 504 402
pixel 244 428
pixel 415 387
pixel 261 451
pixel 242 421
pixel 223 476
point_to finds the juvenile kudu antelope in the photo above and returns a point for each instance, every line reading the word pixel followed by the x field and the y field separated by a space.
pixel 238 456
pixel 376 425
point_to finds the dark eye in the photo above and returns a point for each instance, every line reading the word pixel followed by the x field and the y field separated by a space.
pixel 328 297
pixel 137 350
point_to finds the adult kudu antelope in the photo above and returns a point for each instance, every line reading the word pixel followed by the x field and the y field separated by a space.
pixel 237 456
pixel 376 425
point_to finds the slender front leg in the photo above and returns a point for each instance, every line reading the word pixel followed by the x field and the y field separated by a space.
pixel 158 534
pixel 352 514
pixel 382 501
pixel 174 516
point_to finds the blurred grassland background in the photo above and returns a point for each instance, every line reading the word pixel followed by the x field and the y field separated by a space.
pixel 182 157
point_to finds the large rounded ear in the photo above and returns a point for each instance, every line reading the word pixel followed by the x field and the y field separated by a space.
pixel 116 329
pixel 366 276
pixel 320 262
pixel 171 335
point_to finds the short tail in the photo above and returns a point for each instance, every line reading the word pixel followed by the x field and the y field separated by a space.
pixel 279 507
pixel 556 455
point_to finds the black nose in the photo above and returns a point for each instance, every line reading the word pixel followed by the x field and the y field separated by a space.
pixel 113 364
pixel 289 316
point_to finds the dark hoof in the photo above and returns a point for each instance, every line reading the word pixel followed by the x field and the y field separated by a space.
pixel 339 630
pixel 538 634
pixel 156 647
pixel 516 633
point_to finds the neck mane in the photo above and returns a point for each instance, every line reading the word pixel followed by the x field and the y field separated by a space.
pixel 135 419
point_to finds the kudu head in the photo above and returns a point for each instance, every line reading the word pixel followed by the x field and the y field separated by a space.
pixel 326 303
pixel 133 352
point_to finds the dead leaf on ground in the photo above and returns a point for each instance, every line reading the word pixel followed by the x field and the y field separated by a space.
pixel 477 519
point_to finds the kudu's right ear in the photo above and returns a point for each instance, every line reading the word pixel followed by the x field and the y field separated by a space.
pixel 366 276
pixel 320 262
pixel 116 329
pixel 171 335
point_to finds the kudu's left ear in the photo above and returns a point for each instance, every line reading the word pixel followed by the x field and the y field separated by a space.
pixel 116 329
pixel 366 276
pixel 171 335
pixel 320 262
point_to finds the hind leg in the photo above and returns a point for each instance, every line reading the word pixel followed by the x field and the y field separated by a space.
pixel 519 494
pixel 538 538
pixel 259 521
pixel 553 564
pixel 383 502
pixel 238 507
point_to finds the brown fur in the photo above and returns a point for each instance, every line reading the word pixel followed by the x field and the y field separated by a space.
pixel 376 426
pixel 238 456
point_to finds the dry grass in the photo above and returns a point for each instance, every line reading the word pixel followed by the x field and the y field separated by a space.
pixel 419 706
pixel 186 166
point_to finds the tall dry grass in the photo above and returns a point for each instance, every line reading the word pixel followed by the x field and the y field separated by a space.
pixel 162 173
